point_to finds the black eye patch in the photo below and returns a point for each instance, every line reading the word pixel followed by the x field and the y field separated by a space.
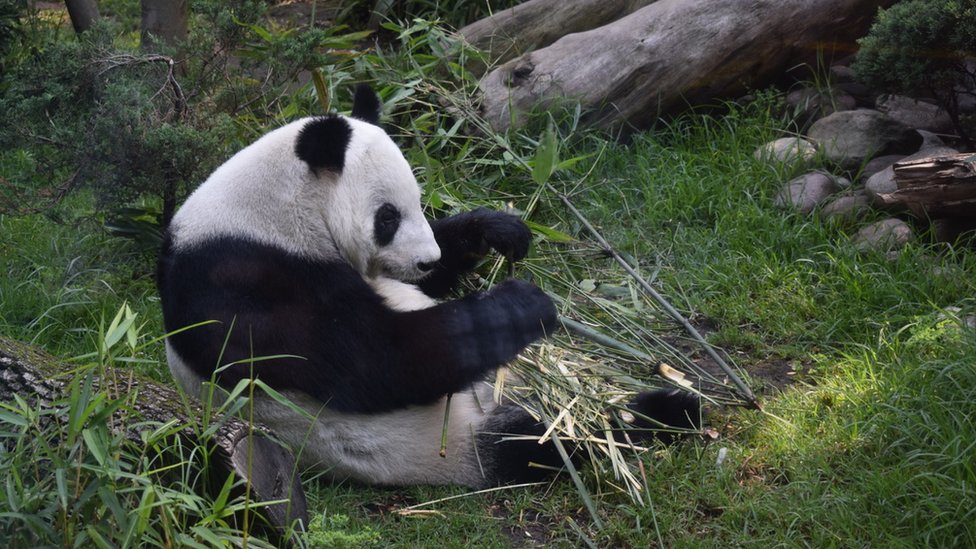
pixel 385 224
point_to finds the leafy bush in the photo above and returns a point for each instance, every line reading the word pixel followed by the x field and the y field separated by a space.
pixel 131 125
pixel 923 47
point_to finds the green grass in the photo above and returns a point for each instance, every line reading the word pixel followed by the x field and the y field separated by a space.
pixel 872 446
pixel 63 279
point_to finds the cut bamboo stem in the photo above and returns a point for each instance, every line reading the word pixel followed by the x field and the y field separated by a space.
pixel 660 299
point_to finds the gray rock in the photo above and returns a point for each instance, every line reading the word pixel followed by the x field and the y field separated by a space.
pixel 843 79
pixel 879 163
pixel 882 182
pixel 841 74
pixel 913 113
pixel 822 102
pixel 802 194
pixel 885 235
pixel 846 209
pixel 786 150
pixel 851 138
pixel 930 140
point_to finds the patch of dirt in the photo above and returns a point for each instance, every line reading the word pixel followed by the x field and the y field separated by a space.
pixel 529 529
pixel 765 375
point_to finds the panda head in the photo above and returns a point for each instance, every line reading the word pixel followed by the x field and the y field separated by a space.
pixel 372 201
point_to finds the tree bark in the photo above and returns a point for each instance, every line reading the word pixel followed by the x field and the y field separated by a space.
pixel 939 186
pixel 240 448
pixel 673 53
pixel 163 22
pixel 83 14
pixel 538 23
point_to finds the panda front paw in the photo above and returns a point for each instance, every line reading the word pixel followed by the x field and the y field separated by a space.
pixel 528 309
pixel 471 235
pixel 505 233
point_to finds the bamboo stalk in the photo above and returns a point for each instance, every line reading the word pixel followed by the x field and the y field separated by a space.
pixel 447 420
pixel 664 303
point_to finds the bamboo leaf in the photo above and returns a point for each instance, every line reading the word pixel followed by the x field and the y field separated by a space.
pixel 546 156
pixel 548 232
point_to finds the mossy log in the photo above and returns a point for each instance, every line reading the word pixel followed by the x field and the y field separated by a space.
pixel 240 448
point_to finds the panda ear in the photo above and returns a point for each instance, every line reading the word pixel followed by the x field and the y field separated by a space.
pixel 366 104
pixel 322 143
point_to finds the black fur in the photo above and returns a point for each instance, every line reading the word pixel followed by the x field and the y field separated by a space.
pixel 358 355
pixel 366 104
pixel 511 461
pixel 386 221
pixel 657 411
pixel 466 238
pixel 322 143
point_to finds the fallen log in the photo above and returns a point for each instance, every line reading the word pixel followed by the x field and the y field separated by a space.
pixel 240 448
pixel 937 186
pixel 673 53
pixel 538 23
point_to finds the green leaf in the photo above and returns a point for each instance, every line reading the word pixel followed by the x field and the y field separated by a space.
pixel 546 156
pixel 96 444
pixel 548 232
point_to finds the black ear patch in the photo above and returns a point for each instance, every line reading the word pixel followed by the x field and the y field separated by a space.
pixel 366 104
pixel 322 143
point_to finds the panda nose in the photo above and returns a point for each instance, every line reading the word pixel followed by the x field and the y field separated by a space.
pixel 423 266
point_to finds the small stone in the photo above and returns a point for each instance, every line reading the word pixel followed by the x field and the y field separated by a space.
pixel 930 140
pixel 786 150
pixel 846 209
pixel 885 235
pixel 804 193
pixel 879 163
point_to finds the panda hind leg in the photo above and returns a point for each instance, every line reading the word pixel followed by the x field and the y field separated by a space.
pixel 662 414
pixel 509 451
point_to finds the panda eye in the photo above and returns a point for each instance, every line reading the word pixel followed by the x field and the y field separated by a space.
pixel 388 214
pixel 385 224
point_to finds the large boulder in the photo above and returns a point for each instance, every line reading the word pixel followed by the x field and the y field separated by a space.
pixel 915 113
pixel 851 138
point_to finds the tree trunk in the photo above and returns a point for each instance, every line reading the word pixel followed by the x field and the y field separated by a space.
pixel 83 14
pixel 939 186
pixel 673 53
pixel 163 22
pixel 239 447
pixel 538 23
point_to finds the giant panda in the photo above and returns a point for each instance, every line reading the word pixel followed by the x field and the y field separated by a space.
pixel 310 250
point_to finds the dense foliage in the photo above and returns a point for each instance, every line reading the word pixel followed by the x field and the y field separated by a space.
pixel 924 48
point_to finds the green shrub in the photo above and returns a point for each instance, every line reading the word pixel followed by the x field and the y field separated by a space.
pixel 922 47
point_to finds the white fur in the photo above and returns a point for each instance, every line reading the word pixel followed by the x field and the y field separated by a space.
pixel 401 296
pixel 267 193
pixel 395 448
